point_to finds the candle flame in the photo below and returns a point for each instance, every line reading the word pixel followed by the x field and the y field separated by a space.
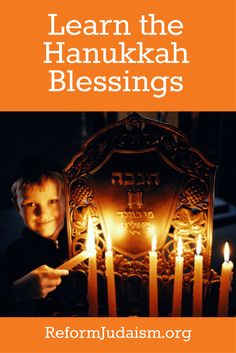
pixel 109 247
pixel 179 246
pixel 154 242
pixel 199 245
pixel 90 246
pixel 226 252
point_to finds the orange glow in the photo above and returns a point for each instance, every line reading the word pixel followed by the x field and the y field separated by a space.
pixel 179 246
pixel 226 252
pixel 90 246
pixel 151 230
pixel 109 242
pixel 199 245
pixel 154 242
pixel 113 226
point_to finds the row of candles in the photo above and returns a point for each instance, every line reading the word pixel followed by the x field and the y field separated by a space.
pixel 90 252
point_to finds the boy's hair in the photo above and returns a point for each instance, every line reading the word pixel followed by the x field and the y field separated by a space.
pixel 32 170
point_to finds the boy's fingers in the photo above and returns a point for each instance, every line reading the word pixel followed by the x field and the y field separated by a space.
pixel 43 268
pixel 51 272
pixel 54 282
pixel 61 272
pixel 54 274
pixel 51 289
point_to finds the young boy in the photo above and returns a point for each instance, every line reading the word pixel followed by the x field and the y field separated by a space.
pixel 29 280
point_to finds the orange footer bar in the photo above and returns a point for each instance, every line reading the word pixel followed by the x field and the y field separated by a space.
pixel 106 335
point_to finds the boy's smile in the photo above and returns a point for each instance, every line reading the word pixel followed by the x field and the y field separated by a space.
pixel 42 208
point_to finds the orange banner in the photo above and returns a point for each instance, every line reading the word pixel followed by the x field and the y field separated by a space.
pixel 111 56
pixel 105 335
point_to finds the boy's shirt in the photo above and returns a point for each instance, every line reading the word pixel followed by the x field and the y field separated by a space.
pixel 28 253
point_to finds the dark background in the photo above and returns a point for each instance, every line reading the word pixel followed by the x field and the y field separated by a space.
pixel 60 135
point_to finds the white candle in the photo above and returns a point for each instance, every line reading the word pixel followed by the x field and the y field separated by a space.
pixel 92 274
pixel 74 261
pixel 153 289
pixel 225 283
pixel 197 284
pixel 111 288
pixel 178 280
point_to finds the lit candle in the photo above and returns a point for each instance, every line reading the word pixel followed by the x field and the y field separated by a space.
pixel 225 283
pixel 74 261
pixel 111 288
pixel 153 292
pixel 92 274
pixel 197 284
pixel 178 280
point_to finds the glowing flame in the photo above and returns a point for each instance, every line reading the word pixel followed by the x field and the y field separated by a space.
pixel 226 252
pixel 199 245
pixel 109 242
pixel 179 246
pixel 90 246
pixel 154 242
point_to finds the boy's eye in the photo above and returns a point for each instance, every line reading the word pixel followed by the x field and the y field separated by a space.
pixel 53 201
pixel 29 204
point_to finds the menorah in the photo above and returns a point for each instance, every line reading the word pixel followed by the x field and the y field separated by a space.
pixel 143 188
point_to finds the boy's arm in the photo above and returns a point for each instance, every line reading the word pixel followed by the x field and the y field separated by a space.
pixel 37 283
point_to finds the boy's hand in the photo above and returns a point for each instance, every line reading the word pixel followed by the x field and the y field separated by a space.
pixel 38 283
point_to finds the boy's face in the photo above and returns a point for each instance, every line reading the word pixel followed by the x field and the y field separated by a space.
pixel 42 208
